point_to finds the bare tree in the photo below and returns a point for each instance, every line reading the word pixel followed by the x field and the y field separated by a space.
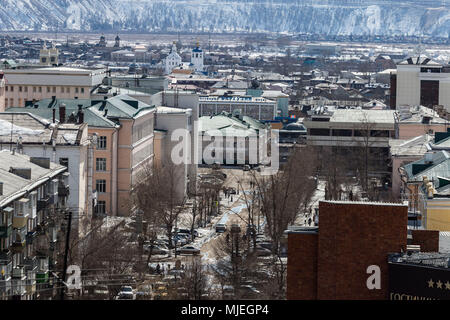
pixel 285 193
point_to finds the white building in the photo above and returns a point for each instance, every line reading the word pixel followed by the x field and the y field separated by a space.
pixel 197 58
pixel 173 60
pixel 167 121
pixel 422 81
pixel 48 57
pixel 65 144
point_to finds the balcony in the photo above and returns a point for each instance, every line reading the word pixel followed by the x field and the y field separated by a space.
pixel 20 221
pixel 30 282
pixel 18 287
pixel 63 190
pixel 5 257
pixel 42 270
pixel 5 231
pixel 30 263
pixel 30 237
pixel 19 239
pixel 18 272
pixel 43 203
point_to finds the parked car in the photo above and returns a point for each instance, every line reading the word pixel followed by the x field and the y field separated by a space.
pixel 221 227
pixel 126 293
pixel 158 249
pixel 188 250
pixel 246 167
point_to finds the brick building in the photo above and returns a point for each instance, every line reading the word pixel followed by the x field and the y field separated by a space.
pixel 331 261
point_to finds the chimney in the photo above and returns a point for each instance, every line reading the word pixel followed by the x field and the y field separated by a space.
pixel 54 115
pixel 62 113
pixel 21 172
pixel 106 113
pixel 41 161
pixel 1 188
pixel 105 98
pixel 80 114
pixel 76 98
pixel 429 157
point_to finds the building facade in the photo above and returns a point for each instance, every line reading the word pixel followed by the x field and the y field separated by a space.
pixel 33 195
pixel 421 81
pixel 24 86
pixel 331 261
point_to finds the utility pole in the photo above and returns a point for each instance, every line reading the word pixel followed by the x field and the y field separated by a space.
pixel 66 253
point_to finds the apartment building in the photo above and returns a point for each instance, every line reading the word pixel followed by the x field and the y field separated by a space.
pixel 421 81
pixel 24 86
pixel 63 143
pixel 33 203
pixel 121 128
pixel 426 184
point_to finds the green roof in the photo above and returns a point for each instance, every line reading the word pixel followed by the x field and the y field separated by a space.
pixel 119 107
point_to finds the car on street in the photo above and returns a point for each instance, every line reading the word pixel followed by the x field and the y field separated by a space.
pixel 157 249
pixel 126 293
pixel 188 250
pixel 221 227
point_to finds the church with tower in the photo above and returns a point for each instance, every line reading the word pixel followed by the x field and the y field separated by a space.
pixel 174 61
pixel 197 58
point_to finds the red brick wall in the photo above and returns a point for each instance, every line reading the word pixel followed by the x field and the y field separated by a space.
pixel 351 238
pixel 302 266
pixel 427 239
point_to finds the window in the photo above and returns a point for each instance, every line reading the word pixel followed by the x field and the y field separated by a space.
pixel 20 88
pixel 6 88
pixel 40 89
pixel 25 89
pixel 82 90
pixel 34 89
pixel 100 186
pixel 100 164
pixel 101 143
pixel 54 89
pixel 62 89
pixel 12 88
pixel 44 60
pixel 48 89
pixel 68 90
pixel 64 162
pixel 319 132
pixel 100 207
pixel 76 90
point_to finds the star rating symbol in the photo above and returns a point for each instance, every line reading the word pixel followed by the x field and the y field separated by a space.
pixel 439 284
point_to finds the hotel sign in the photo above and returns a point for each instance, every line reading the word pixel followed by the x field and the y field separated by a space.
pixel 416 282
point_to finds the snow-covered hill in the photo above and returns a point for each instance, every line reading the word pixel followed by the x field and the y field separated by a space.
pixel 328 17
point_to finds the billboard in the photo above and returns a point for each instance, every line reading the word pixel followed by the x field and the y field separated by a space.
pixel 417 282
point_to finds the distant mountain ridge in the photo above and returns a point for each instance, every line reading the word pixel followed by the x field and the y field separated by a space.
pixel 327 17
